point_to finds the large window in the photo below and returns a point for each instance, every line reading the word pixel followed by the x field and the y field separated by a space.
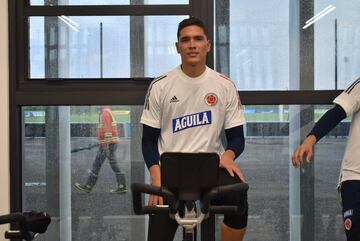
pixel 99 47
pixel 60 147
pixel 259 44
pixel 337 44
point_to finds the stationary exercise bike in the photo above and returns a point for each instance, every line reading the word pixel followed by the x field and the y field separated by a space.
pixel 187 178
pixel 29 224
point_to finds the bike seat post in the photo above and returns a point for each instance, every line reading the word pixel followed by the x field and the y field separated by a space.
pixel 190 210
pixel 190 213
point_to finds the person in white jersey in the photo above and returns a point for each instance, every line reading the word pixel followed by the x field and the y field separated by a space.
pixel 346 104
pixel 186 110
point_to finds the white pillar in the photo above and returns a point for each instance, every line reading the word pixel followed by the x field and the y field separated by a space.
pixel 65 173
pixel 294 121
pixel 295 219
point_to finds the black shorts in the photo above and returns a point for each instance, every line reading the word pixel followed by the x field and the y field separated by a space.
pixel 350 196
pixel 163 228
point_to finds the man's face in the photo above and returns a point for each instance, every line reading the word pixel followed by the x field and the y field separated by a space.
pixel 193 45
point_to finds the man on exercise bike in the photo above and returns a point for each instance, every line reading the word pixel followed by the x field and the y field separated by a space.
pixel 186 110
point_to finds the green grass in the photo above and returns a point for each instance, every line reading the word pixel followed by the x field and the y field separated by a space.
pixel 82 118
pixel 123 115
pixel 266 117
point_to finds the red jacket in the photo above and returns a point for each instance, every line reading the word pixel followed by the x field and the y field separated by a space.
pixel 107 127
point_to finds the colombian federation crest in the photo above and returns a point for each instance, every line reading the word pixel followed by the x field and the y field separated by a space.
pixel 211 99
pixel 347 224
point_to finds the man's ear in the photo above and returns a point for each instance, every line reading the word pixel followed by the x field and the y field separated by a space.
pixel 177 47
pixel 208 46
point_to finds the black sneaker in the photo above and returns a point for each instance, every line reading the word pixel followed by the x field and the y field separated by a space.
pixel 120 189
pixel 85 188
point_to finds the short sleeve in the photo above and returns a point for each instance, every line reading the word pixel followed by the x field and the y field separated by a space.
pixel 349 99
pixel 152 111
pixel 234 115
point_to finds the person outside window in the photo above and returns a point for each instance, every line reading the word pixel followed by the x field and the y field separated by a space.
pixel 108 142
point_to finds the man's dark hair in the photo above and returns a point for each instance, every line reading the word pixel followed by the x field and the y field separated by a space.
pixel 190 21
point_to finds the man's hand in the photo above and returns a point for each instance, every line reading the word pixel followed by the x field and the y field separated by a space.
pixel 155 181
pixel 305 149
pixel 227 162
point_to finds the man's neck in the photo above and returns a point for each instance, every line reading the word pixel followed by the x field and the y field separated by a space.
pixel 193 71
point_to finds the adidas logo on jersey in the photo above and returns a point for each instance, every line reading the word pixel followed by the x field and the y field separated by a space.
pixel 174 99
pixel 193 120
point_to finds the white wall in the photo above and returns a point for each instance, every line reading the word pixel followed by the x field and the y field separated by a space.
pixel 4 115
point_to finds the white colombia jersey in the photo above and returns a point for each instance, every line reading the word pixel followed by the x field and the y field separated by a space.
pixel 349 100
pixel 191 112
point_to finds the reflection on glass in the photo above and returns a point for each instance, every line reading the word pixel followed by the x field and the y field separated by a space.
pixel 318 16
pixel 59 148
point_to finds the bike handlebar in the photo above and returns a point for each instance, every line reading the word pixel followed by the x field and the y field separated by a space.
pixel 219 191
pixel 30 224
pixel 139 188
